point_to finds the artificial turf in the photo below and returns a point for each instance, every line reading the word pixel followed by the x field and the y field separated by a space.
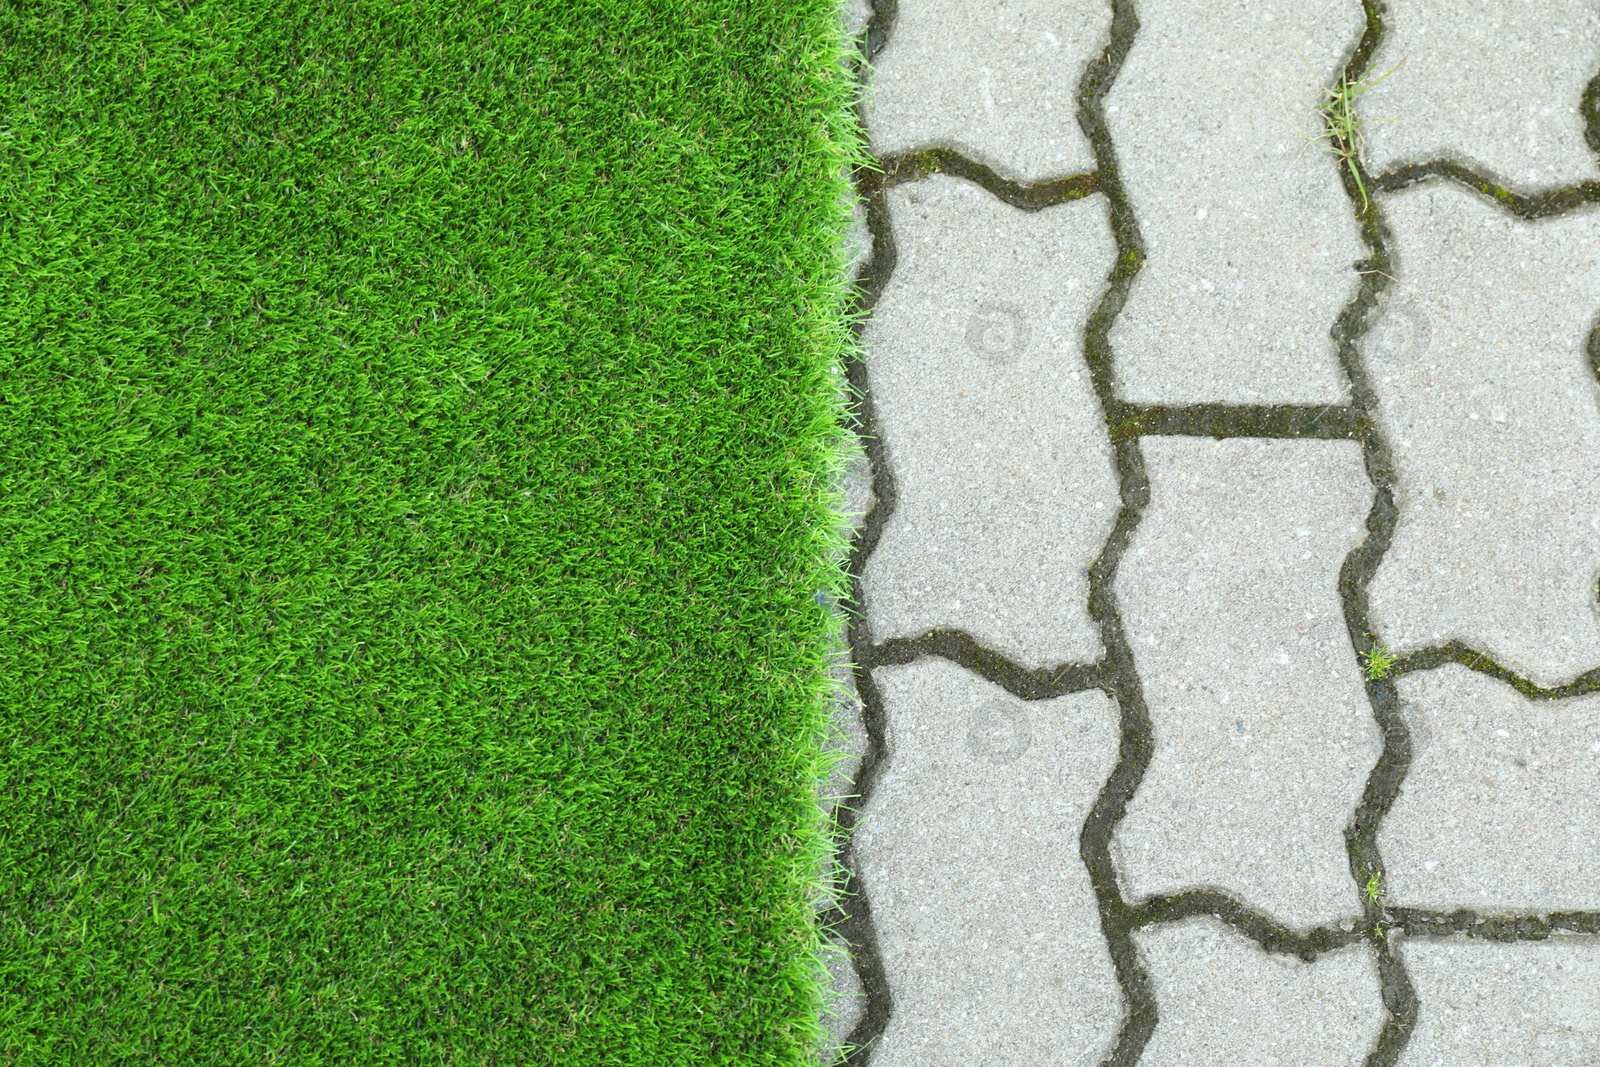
pixel 417 431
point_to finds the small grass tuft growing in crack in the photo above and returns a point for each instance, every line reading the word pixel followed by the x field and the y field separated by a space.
pixel 1379 660
pixel 1343 127
pixel 1374 887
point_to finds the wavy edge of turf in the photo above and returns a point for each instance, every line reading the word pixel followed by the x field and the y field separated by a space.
pixel 803 879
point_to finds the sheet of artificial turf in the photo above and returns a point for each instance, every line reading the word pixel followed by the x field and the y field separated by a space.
pixel 415 429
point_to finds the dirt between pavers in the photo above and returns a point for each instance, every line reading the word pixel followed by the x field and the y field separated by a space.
pixel 1227 992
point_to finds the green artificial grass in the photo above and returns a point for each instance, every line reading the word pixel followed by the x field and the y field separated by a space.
pixel 417 425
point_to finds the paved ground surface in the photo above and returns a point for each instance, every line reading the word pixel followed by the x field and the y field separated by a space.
pixel 1224 654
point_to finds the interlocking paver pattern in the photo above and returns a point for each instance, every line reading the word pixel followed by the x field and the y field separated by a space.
pixel 995 81
pixel 1249 235
pixel 1500 809
pixel 984 911
pixel 1223 1001
pixel 1226 619
pixel 1495 85
pixel 1262 734
pixel 1000 459
pixel 1487 395
pixel 1531 1004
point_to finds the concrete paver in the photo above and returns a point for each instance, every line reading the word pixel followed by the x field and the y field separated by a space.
pixel 1250 239
pixel 854 16
pixel 1023 858
pixel 1505 1005
pixel 1000 458
pixel 1500 811
pixel 846 1002
pixel 1493 84
pixel 849 738
pixel 969 851
pixel 1491 408
pixel 1222 1000
pixel 994 81
pixel 1263 738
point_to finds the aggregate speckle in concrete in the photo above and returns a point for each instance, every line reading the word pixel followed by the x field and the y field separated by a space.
pixel 1489 400
pixel 849 735
pixel 857 251
pixel 854 15
pixel 1493 84
pixel 986 921
pixel 857 485
pixel 1487 1004
pixel 846 1002
pixel 1222 1000
pixel 1001 460
pixel 995 81
pixel 1250 238
pixel 1500 811
pixel 1263 738
pixel 1186 455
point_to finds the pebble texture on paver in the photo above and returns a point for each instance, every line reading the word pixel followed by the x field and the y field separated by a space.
pixel 1224 1002
pixel 1533 1004
pixel 970 853
pixel 1263 739
pixel 1306 354
pixel 1000 459
pixel 1488 397
pixel 994 81
pixel 1494 85
pixel 1249 235
pixel 1501 810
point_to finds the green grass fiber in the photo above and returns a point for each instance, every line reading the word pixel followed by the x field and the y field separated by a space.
pixel 417 431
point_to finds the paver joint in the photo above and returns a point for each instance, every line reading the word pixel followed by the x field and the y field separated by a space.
pixel 1225 622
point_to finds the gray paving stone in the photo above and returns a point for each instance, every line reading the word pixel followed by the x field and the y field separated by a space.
pixel 1485 1004
pixel 855 14
pixel 1221 1000
pixel 858 494
pixel 850 735
pixel 857 249
pixel 1501 808
pixel 1263 735
pixel 1004 477
pixel 1490 406
pixel 986 919
pixel 849 738
pixel 1250 237
pixel 997 82
pixel 846 1003
pixel 1494 84
pixel 1263 739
